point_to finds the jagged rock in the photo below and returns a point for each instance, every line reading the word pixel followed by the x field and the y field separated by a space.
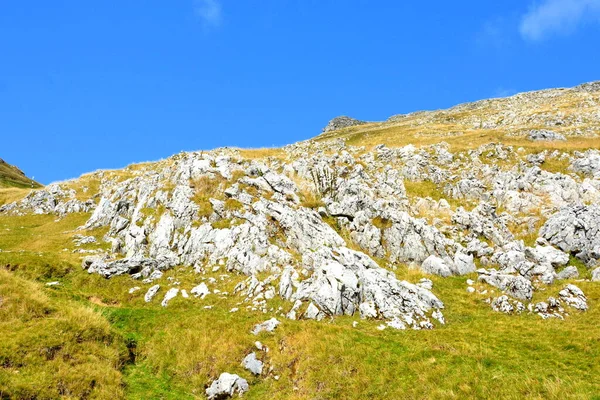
pixel 267 326
pixel 287 283
pixel 340 123
pixel 542 134
pixel 253 364
pixel 483 221
pixel 515 286
pixel 151 293
pixel 346 279
pixel 575 229
pixel 568 273
pixel 596 275
pixel 574 297
pixel 226 386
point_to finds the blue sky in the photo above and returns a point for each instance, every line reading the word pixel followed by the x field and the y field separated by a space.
pixel 88 85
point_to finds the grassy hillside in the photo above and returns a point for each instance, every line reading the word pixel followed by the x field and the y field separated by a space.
pixel 11 176
pixel 89 338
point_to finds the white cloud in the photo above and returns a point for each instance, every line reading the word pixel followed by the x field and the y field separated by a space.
pixel 209 12
pixel 558 17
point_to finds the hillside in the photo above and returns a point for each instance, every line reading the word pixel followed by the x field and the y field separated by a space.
pixel 11 176
pixel 571 112
pixel 441 254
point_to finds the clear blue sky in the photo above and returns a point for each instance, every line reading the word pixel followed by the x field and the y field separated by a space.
pixel 86 85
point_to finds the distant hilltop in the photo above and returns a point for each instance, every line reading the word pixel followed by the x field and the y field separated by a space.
pixel 11 176
pixel 569 111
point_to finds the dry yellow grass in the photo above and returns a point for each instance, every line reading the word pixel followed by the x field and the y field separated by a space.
pixel 10 195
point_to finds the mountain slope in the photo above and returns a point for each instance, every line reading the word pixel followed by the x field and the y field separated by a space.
pixel 11 176
pixel 572 112
pixel 402 260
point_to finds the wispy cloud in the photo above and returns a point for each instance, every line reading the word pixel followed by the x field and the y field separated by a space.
pixel 210 12
pixel 493 33
pixel 503 92
pixel 550 17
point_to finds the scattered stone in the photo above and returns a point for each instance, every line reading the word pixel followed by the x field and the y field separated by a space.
pixel 574 297
pixel 515 286
pixel 570 272
pixel 267 326
pixel 171 294
pixel 151 293
pixel 252 364
pixel 226 386
pixel 200 291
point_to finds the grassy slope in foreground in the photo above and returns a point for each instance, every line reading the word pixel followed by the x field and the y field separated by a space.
pixel 75 343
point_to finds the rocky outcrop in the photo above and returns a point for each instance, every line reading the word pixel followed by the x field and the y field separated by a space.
pixel 53 199
pixel 341 123
pixel 544 135
pixel 575 229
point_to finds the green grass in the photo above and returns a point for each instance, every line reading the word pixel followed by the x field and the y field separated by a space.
pixel 135 350
pixel 52 347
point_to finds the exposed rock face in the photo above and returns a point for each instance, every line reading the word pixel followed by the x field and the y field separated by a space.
pixel 51 200
pixel 340 123
pixel 324 224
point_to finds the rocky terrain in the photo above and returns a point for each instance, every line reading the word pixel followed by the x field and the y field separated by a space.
pixel 340 226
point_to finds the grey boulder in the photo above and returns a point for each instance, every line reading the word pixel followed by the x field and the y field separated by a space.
pixel 226 386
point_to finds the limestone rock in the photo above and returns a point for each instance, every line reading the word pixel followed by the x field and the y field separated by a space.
pixel 574 297
pixel 151 293
pixel 515 286
pixel 340 123
pixel 568 273
pixel 267 326
pixel 575 229
pixel 227 386
pixel 544 135
pixel 253 364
